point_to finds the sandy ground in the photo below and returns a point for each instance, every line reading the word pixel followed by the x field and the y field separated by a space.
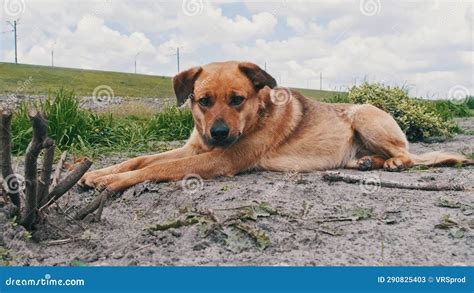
pixel 263 218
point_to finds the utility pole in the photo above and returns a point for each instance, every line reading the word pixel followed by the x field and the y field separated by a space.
pixel 320 80
pixel 52 55
pixel 177 57
pixel 135 63
pixel 265 66
pixel 13 25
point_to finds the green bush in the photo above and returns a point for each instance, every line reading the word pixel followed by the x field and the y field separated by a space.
pixel 446 109
pixel 470 102
pixel 418 120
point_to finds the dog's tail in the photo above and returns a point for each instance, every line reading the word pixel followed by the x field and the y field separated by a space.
pixel 440 159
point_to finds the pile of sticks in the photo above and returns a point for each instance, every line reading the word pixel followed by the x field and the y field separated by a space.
pixel 39 192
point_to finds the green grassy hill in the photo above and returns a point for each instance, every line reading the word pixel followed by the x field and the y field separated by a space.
pixel 37 80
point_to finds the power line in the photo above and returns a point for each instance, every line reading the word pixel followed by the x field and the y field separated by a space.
pixel 13 25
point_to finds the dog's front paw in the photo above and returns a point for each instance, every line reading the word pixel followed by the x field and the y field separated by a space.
pixel 88 179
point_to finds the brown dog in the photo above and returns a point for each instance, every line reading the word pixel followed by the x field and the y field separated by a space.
pixel 243 121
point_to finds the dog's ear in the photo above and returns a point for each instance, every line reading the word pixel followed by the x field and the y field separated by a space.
pixel 259 77
pixel 183 84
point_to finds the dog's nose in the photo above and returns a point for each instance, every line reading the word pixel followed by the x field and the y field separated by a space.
pixel 220 130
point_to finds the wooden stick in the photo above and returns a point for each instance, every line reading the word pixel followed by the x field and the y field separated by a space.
pixel 57 171
pixel 40 129
pixel 46 169
pixel 6 160
pixel 67 183
pixel 332 176
pixel 94 204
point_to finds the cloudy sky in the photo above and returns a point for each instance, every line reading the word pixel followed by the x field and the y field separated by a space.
pixel 424 45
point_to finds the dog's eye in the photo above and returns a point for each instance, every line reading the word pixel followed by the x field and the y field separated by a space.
pixel 236 100
pixel 205 102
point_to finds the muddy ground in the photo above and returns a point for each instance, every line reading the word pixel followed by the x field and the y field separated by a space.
pixel 263 218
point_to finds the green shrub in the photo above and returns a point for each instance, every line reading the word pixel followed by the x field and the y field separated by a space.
pixel 416 119
pixel 446 109
pixel 470 102
pixel 172 124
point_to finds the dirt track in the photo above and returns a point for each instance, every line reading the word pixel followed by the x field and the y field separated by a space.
pixel 264 218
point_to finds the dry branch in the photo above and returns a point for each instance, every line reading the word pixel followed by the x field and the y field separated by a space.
pixel 6 159
pixel 332 176
pixel 68 182
pixel 46 169
pixel 57 171
pixel 40 130
pixel 96 203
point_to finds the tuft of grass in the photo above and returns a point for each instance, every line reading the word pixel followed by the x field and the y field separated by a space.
pixel 171 124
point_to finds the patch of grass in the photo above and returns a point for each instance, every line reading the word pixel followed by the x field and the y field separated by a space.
pixel 138 110
pixel 319 95
pixel 25 79
pixel 81 131
pixel 39 80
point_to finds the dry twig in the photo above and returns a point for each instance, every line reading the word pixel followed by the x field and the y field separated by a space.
pixel 332 176
pixel 9 178
pixel 40 130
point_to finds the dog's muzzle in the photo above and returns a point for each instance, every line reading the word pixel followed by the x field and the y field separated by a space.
pixel 220 135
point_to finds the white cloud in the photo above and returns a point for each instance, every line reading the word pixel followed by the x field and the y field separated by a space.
pixel 425 44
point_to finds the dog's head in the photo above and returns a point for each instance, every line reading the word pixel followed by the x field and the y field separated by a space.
pixel 225 98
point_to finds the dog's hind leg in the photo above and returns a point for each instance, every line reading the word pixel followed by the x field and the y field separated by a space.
pixel 380 134
pixel 366 163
